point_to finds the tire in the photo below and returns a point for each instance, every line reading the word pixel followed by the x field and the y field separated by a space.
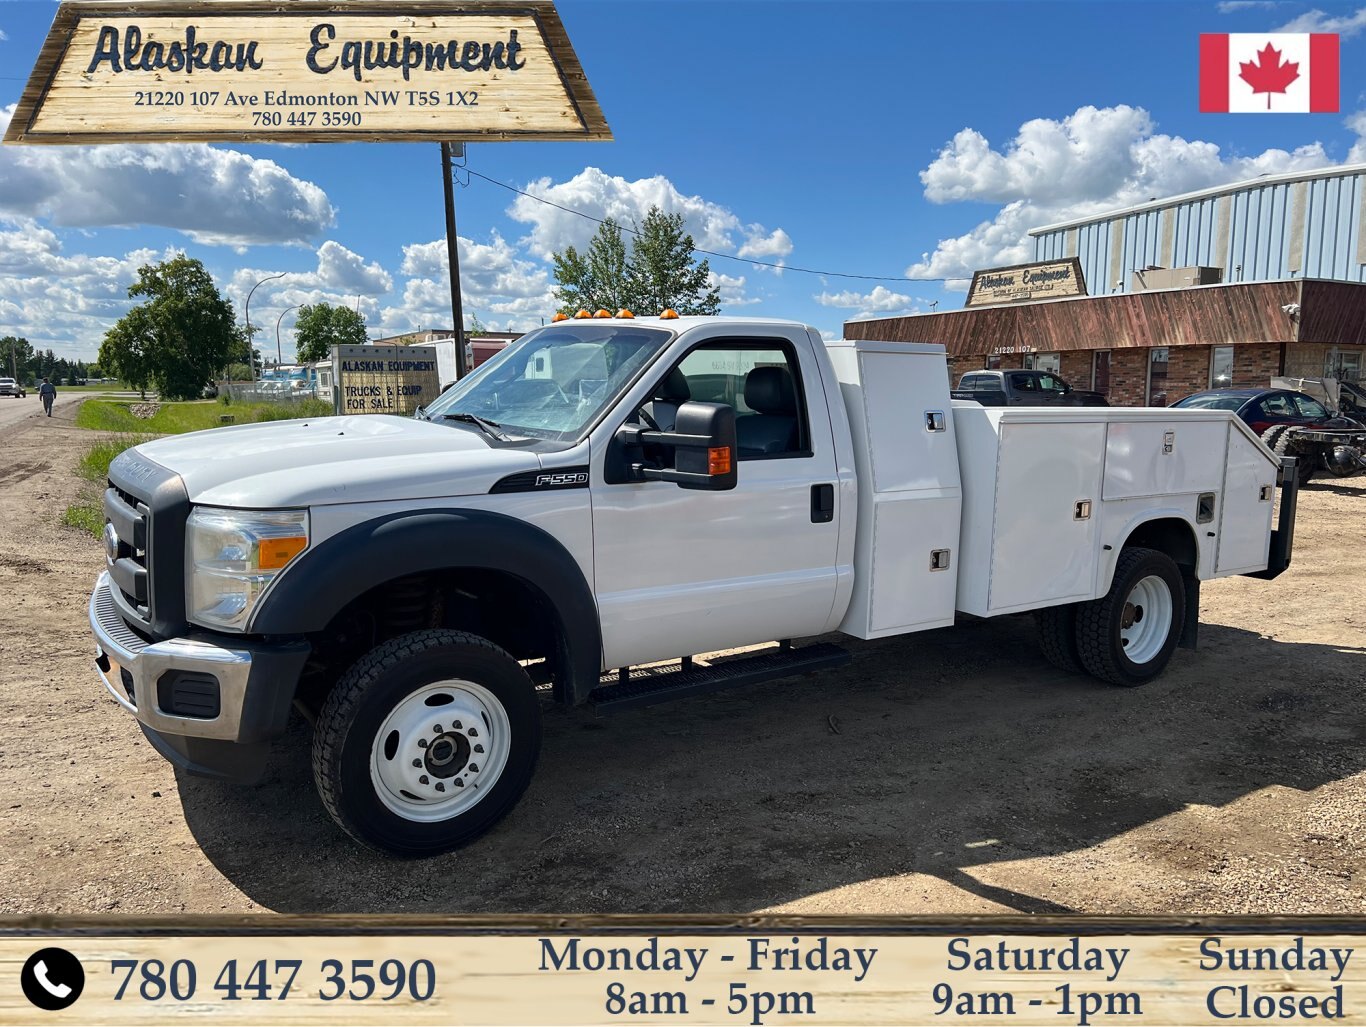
pixel 1057 626
pixel 1304 461
pixel 1273 433
pixel 374 724
pixel 1146 583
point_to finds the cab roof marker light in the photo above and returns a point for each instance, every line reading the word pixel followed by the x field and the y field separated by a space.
pixel 561 316
pixel 669 315
pixel 602 313
pixel 624 313
pixel 582 314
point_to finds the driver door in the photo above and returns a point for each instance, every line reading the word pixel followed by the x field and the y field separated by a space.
pixel 682 571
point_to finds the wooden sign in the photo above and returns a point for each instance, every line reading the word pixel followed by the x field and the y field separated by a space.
pixel 306 71
pixel 1043 281
pixel 384 379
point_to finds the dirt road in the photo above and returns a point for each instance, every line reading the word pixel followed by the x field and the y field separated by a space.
pixel 949 772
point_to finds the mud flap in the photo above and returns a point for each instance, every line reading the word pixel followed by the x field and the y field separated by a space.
pixel 1190 629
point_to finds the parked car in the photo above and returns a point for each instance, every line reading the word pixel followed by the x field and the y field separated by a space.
pixel 1262 408
pixel 1011 388
pixel 9 387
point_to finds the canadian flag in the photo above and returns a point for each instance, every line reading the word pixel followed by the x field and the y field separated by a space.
pixel 1280 72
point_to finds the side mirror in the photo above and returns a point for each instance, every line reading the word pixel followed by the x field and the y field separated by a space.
pixel 704 444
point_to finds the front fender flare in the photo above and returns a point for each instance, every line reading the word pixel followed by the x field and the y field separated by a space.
pixel 345 566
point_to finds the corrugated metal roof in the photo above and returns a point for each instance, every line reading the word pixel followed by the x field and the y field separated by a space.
pixel 1335 171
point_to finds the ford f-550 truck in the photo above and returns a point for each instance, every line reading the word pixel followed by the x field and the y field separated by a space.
pixel 615 492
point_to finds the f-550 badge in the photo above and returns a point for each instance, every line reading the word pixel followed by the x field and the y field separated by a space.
pixel 550 481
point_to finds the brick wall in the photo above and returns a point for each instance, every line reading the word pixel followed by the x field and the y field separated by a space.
pixel 1128 376
pixel 1076 368
pixel 1254 366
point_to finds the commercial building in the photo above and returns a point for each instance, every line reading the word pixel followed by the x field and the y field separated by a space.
pixel 1227 286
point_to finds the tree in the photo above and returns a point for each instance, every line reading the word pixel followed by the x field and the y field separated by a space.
pixel 178 338
pixel 659 273
pixel 320 326
pixel 598 279
pixel 662 273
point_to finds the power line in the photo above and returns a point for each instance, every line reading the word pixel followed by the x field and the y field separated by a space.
pixel 698 249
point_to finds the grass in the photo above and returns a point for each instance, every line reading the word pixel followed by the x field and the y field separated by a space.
pixel 87 514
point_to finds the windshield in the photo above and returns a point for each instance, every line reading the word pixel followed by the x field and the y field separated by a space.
pixel 1211 402
pixel 553 383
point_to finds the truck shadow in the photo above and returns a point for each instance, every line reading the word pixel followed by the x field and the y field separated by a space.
pixel 938 754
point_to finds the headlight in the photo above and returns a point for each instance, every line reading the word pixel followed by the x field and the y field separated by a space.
pixel 231 556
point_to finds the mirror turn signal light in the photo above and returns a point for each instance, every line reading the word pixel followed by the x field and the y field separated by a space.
pixel 623 312
pixel 669 315
pixel 602 313
pixel 559 317
pixel 582 314
pixel 718 458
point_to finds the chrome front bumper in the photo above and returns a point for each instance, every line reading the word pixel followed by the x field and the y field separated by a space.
pixel 132 669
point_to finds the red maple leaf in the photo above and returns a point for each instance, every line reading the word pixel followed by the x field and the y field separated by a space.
pixel 1268 74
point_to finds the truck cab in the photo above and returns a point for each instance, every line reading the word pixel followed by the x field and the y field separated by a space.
pixel 1022 387
pixel 608 493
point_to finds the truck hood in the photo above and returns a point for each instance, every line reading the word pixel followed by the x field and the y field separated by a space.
pixel 335 460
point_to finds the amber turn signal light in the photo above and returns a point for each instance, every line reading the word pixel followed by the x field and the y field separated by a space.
pixel 718 459
pixel 274 553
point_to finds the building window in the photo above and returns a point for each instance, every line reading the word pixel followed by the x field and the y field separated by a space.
pixel 1051 362
pixel 1100 372
pixel 1221 367
pixel 994 362
pixel 1344 365
pixel 1157 376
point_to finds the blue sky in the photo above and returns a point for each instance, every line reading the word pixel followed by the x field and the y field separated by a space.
pixel 898 139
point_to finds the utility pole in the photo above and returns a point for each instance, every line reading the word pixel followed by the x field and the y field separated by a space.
pixel 453 252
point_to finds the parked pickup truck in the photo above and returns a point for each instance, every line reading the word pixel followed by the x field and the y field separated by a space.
pixel 608 493
pixel 10 387
pixel 1023 388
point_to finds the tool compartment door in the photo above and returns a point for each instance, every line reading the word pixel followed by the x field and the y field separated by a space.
pixel 1043 552
pixel 1245 517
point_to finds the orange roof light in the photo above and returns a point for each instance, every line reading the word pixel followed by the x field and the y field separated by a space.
pixel 602 313
pixel 669 315
pixel 562 316
pixel 623 312
pixel 582 314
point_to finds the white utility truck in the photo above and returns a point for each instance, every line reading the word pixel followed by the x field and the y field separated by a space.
pixel 615 492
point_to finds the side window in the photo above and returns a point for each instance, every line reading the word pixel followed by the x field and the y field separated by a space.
pixel 1023 383
pixel 1278 405
pixel 1049 384
pixel 1309 407
pixel 760 380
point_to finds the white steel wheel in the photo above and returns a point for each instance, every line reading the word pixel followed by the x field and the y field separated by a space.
pixel 1147 619
pixel 1127 636
pixel 426 742
pixel 440 751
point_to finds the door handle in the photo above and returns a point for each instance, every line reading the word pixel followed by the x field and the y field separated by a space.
pixel 822 504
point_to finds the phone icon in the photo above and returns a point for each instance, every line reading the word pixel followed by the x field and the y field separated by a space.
pixel 52 978
pixel 55 990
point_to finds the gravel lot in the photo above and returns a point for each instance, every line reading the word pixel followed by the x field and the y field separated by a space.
pixel 949 772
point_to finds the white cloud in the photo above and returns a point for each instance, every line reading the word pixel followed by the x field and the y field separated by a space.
pixel 594 192
pixel 1230 6
pixel 881 301
pixel 497 285
pixel 731 289
pixel 59 302
pixel 763 245
pixel 3 37
pixel 348 272
pixel 214 196
pixel 1345 25
pixel 1089 162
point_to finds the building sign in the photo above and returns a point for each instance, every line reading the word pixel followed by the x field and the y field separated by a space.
pixel 306 71
pixel 1045 281
pixel 384 379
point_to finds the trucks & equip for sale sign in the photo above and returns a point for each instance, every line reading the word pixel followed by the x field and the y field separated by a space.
pixel 306 72
pixel 384 379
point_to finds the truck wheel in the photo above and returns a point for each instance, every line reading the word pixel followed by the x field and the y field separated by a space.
pixel 1127 636
pixel 1273 433
pixel 1058 636
pixel 426 742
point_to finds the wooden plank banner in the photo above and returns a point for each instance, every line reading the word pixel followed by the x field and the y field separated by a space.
pixel 307 71
pixel 700 970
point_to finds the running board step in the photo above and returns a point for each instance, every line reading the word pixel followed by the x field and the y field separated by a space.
pixel 647 690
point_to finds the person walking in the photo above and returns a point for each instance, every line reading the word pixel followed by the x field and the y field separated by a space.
pixel 48 392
